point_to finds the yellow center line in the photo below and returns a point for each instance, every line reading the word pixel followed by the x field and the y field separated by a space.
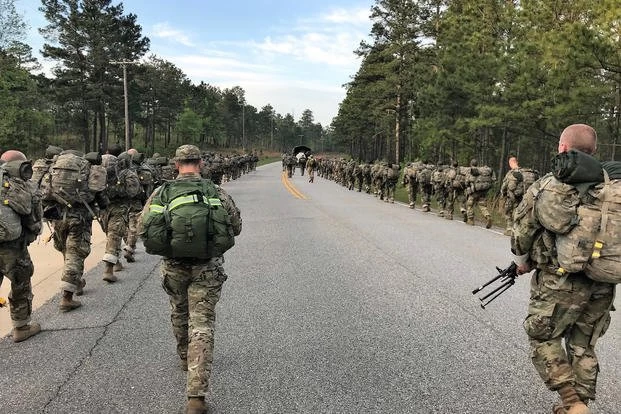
pixel 290 187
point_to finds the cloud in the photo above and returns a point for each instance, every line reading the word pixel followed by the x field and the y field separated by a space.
pixel 164 31
pixel 298 65
pixel 358 16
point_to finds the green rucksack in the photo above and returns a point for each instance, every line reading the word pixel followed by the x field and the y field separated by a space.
pixel 186 219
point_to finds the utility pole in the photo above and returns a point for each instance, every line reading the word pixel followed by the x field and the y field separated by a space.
pixel 124 64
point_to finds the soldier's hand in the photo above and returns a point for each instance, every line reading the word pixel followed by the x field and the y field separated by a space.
pixel 522 269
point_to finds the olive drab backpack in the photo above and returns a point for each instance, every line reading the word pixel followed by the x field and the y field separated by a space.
pixel 186 219
pixel 15 201
pixel 72 179
pixel 521 180
pixel 481 178
pixel 593 245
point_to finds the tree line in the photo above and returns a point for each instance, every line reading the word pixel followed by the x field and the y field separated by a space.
pixel 451 80
pixel 439 81
pixel 82 104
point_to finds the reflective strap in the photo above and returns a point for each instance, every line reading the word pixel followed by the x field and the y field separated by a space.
pixel 597 249
pixel 214 202
pixel 560 271
pixel 156 208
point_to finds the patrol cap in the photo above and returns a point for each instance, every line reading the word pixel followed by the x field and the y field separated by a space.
pixel 187 152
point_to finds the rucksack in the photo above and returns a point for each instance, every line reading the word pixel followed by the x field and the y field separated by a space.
pixel 522 179
pixel 186 219
pixel 123 184
pixel 39 168
pixel 146 175
pixel 72 179
pixel 423 174
pixel 16 201
pixel 593 245
pixel 481 177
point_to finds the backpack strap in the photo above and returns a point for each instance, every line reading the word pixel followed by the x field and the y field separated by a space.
pixel 598 245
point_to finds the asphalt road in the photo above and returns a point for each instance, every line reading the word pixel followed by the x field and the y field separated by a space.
pixel 335 303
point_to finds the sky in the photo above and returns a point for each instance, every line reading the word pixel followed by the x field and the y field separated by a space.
pixel 292 54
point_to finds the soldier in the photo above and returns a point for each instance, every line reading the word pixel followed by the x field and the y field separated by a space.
pixel 567 307
pixel 72 224
pixel 24 208
pixel 409 181
pixel 194 286
pixel 311 164
pixel 514 185
pixel 123 185
pixel 390 181
pixel 479 181
pixel 135 208
pixel 291 162
pixel 424 172
pixel 366 176
pixel 438 179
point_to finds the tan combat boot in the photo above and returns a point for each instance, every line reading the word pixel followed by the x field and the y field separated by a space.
pixel 24 332
pixel 108 273
pixel 196 405
pixel 470 222
pixel 488 222
pixel 572 402
pixel 67 303
pixel 129 256
pixel 80 290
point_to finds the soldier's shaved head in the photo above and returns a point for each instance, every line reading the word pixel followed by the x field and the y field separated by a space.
pixel 132 151
pixel 581 137
pixel 13 155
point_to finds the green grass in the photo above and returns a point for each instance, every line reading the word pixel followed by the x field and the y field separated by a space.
pixel 267 160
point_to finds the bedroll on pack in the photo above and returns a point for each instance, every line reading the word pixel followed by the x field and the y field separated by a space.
pixel 593 245
pixel 186 219
pixel 69 180
pixel 481 177
pixel 15 202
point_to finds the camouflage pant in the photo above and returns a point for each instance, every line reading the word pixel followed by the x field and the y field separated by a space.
pixel 115 219
pixel 455 195
pixel 477 198
pixel 412 189
pixel 72 237
pixel 510 205
pixel 131 236
pixel 194 292
pixel 16 265
pixel 573 308
pixel 426 191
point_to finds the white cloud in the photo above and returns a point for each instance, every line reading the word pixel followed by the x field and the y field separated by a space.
pixel 342 16
pixel 164 31
pixel 295 67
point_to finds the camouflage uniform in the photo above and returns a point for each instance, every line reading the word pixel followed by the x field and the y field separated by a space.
pixel 194 288
pixel 115 219
pixel 477 197
pixel 570 306
pixel 72 237
pixel 16 265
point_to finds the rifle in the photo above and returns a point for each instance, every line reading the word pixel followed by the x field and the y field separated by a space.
pixel 507 277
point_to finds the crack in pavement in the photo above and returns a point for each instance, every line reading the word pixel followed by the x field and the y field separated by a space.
pixel 115 318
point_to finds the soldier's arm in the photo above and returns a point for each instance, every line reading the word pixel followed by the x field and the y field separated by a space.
pixel 231 208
